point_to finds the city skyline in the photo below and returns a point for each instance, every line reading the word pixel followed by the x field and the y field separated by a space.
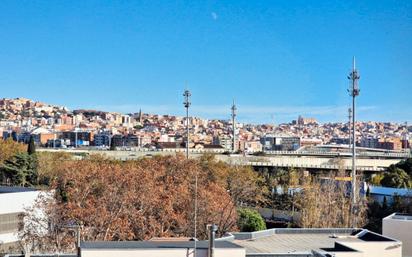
pixel 292 112
pixel 276 60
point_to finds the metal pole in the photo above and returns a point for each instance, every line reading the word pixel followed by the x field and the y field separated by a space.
pixel 187 103
pixel 75 138
pixel 354 92
pixel 78 240
pixel 195 232
pixel 233 127
pixel 187 132
pixel 353 157
pixel 212 230
pixel 350 128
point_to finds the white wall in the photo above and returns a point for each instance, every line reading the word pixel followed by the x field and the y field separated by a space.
pixel 155 252
pixel 372 249
pixel 17 202
pixel 347 254
pixel 400 230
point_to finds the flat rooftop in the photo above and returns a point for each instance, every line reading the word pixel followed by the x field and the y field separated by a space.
pixel 400 216
pixel 153 244
pixel 301 241
pixel 15 189
pixel 282 242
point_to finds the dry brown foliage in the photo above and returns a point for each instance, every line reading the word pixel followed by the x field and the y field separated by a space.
pixel 133 200
pixel 325 203
pixel 9 148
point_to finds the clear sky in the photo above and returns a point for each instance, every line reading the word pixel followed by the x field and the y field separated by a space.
pixel 277 59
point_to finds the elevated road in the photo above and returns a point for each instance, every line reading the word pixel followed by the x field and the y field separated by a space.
pixel 321 160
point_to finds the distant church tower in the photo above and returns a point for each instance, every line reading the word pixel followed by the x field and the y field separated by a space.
pixel 140 116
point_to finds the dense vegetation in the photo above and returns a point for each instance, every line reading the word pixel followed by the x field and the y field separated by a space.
pixel 397 175
pixel 18 164
pixel 139 200
pixel 250 220
pixel 377 211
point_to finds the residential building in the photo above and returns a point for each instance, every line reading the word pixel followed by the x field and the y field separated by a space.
pixel 280 143
pixel 310 142
pixel 78 138
pixel 225 141
pixel 102 139
pixel 369 142
pixel 390 144
pixel 250 146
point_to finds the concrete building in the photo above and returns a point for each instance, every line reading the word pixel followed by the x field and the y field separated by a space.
pixel 224 141
pixel 125 141
pixel 166 138
pixel 13 201
pixel 337 242
pixel 285 242
pixel 159 249
pixel 399 226
pixel 102 139
pixel 379 193
pixel 83 137
pixel 280 143
pixel 305 121
pixel 390 144
pixel 250 146
pixel 310 142
pixel 369 142
pixel 118 140
pixel 132 140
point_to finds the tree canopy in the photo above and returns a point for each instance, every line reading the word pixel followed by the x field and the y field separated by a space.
pixel 397 175
pixel 136 200
pixel 20 170
pixel 31 148
pixel 250 220
pixel 9 148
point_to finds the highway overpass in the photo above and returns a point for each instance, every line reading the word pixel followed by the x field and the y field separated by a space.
pixel 314 161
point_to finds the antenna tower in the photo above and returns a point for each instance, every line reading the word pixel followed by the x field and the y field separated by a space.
pixel 187 104
pixel 349 127
pixel 234 109
pixel 354 92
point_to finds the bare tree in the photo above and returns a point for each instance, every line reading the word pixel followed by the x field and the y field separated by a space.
pixel 324 202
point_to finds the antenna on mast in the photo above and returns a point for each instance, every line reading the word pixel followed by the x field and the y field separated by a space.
pixel 187 104
pixel 354 92
pixel 234 109
pixel 349 128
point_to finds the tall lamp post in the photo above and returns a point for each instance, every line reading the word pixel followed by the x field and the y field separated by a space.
pixel 354 92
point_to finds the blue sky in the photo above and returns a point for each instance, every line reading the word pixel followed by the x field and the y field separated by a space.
pixel 277 59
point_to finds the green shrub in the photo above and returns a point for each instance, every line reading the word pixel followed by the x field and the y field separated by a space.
pixel 250 220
